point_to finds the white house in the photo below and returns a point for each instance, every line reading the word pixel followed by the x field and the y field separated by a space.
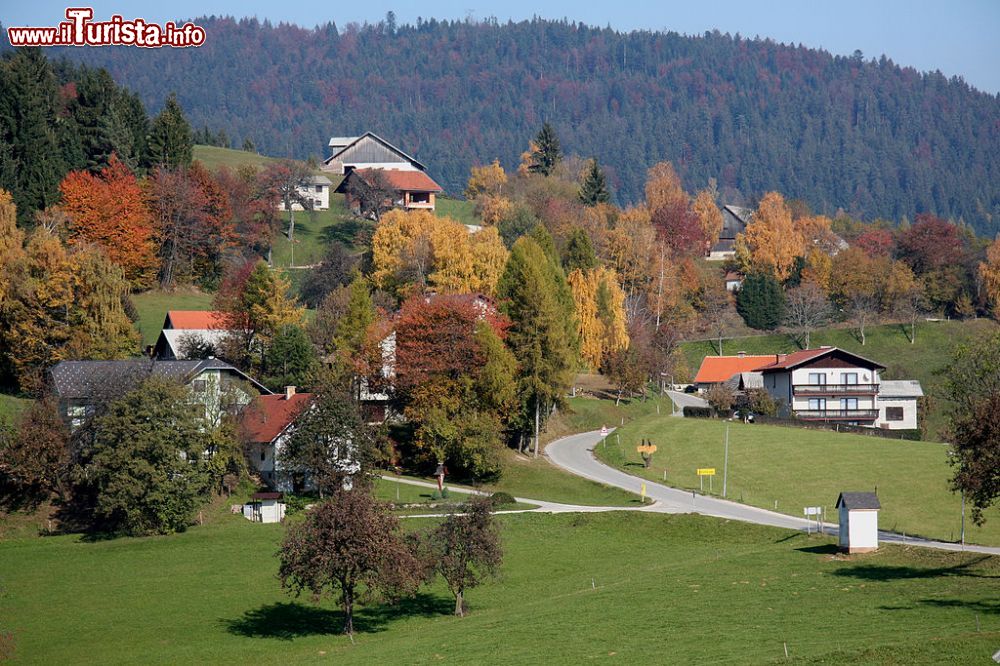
pixel 266 425
pixel 313 189
pixel 824 384
pixel 858 522
pixel 897 404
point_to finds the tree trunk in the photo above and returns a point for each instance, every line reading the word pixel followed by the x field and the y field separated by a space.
pixel 862 335
pixel 348 603
pixel 807 339
pixel 459 604
pixel 536 426
pixel 291 223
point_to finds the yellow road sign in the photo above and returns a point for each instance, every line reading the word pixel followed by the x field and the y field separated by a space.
pixel 706 471
pixel 646 448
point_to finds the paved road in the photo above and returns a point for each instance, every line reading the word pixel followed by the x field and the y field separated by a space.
pixel 575 454
pixel 683 400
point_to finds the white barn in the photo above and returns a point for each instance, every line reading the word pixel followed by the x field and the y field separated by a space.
pixel 265 508
pixel 858 522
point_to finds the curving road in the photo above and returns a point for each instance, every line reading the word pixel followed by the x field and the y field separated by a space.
pixel 575 455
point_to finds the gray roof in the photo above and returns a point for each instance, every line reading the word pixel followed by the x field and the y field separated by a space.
pixel 83 380
pixel 858 501
pixel 317 180
pixel 900 388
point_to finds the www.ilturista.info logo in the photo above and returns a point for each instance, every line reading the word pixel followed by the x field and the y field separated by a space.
pixel 80 30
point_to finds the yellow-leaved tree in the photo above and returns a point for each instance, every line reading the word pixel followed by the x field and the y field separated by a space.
pixel 771 242
pixel 663 187
pixel 709 215
pixel 600 310
pixel 486 180
pixel 989 270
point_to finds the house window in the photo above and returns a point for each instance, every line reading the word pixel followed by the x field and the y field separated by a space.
pixel 199 386
pixel 848 403
pixel 893 413
pixel 817 378
pixel 817 404
pixel 319 188
pixel 263 456
pixel 420 197
pixel 848 378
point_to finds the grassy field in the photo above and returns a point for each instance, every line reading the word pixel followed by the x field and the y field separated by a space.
pixel 798 467
pixel 628 588
pixel 889 345
pixel 213 157
pixel 314 231
pixel 457 209
pixel 153 306
pixel 11 406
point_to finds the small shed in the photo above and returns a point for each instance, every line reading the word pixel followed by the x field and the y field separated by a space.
pixel 858 522
pixel 265 508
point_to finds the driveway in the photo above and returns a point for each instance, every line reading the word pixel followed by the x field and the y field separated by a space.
pixel 683 400
pixel 575 455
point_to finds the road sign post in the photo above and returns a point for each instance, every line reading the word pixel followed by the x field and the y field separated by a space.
pixel 702 472
pixel 725 465
pixel 646 451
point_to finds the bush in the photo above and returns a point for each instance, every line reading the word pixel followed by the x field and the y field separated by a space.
pixel 698 412
pixel 502 499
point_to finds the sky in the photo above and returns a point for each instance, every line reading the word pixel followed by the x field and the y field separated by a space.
pixel 957 37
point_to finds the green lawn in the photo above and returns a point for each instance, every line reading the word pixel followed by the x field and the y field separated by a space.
pixel 457 209
pixel 616 587
pixel 798 468
pixel 153 306
pixel 407 493
pixel 314 230
pixel 889 345
pixel 11 406
pixel 213 157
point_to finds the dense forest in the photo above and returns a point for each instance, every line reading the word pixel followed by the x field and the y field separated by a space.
pixel 862 135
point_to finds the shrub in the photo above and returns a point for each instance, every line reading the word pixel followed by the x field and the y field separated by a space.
pixel 502 499
pixel 698 412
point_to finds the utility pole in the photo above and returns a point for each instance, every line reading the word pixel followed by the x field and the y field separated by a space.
pixel 963 519
pixel 725 465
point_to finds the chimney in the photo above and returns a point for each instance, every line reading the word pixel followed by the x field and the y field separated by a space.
pixel 741 354
pixel 289 392
pixel 779 358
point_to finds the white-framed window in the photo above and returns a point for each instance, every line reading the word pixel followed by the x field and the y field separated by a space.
pixel 817 404
pixel 848 378
pixel 817 378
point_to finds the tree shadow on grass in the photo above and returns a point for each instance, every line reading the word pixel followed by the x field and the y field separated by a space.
pixel 347 231
pixel 291 619
pixel 984 606
pixel 877 572
pixel 822 549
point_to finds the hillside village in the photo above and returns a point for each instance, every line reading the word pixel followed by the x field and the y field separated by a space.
pixel 201 345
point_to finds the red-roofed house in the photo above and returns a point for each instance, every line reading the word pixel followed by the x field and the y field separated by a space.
pixel 825 384
pixel 194 319
pixel 184 330
pixel 719 369
pixel 414 189
pixel 265 425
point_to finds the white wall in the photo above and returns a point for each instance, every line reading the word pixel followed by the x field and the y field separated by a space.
pixel 909 406
pixel 321 199
pixel 863 529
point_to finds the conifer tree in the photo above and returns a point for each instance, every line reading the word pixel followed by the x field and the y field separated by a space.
pixel 594 189
pixel 579 252
pixel 170 142
pixel 761 302
pixel 547 153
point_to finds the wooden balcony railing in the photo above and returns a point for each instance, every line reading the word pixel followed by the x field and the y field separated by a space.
pixel 834 389
pixel 837 414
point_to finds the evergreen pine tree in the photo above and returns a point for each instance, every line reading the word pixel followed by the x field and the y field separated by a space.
pixel 170 141
pixel 761 302
pixel 579 252
pixel 290 359
pixel 594 189
pixel 547 153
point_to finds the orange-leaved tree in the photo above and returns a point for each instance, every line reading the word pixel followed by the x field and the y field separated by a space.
pixel 771 242
pixel 109 210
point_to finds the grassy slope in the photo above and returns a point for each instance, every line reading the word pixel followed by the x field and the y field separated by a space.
pixel 11 406
pixel 640 588
pixel 153 306
pixel 213 157
pixel 887 345
pixel 799 468
pixel 457 209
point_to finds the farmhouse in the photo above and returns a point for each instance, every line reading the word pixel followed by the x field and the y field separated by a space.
pixel 314 191
pixel 265 426
pixel 734 221
pixel 368 151
pixel 720 369
pixel 185 331
pixel 215 387
pixel 414 190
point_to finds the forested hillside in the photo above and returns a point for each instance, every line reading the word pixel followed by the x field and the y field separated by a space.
pixel 867 136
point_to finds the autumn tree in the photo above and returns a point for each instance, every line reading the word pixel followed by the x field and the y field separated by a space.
pixel 286 179
pixel 594 189
pixel 600 311
pixel 973 387
pixel 170 143
pixel 335 270
pixel 37 456
pixel 663 187
pixel 930 244
pixel 989 271
pixel 486 180
pixel 465 548
pixel 709 216
pixel 350 546
pixel 680 229
pixel 806 309
pixel 371 192
pixel 770 243
pixel 109 210
pixel 194 220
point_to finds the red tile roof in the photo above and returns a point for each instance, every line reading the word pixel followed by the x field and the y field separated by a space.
pixel 795 359
pixel 408 181
pixel 720 368
pixel 194 319
pixel 269 415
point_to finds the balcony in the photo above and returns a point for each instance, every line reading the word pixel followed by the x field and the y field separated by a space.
pixel 837 414
pixel 835 389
